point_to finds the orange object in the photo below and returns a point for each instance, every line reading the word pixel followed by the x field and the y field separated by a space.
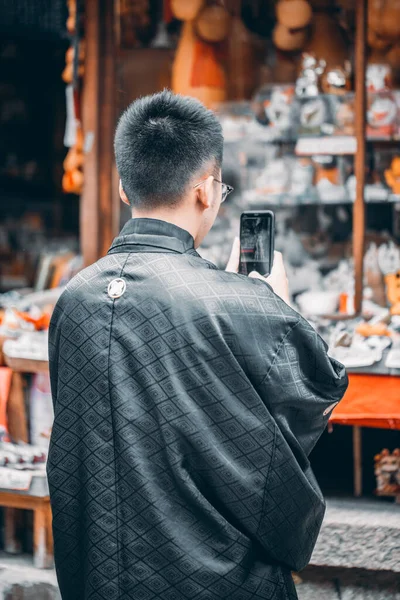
pixel 207 71
pixel 5 386
pixel 197 69
pixel 366 330
pixel 370 401
pixel 392 281
pixel 41 323
pixel 343 298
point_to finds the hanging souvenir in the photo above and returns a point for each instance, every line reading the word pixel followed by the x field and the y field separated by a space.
pixel 68 73
pixel 72 181
pixel 293 17
pixel 213 23
pixel 197 70
pixel 294 14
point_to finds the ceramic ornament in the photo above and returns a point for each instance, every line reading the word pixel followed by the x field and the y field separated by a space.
pixel 186 10
pixel 213 23
pixel 293 14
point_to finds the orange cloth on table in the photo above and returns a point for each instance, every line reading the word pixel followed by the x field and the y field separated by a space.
pixel 5 386
pixel 207 70
pixel 40 323
pixel 370 401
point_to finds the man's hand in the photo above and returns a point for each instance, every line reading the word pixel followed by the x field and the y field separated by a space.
pixel 278 279
pixel 233 262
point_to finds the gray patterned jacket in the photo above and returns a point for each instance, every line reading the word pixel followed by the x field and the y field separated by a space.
pixel 187 401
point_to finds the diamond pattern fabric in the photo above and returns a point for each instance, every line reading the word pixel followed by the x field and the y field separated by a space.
pixel 185 410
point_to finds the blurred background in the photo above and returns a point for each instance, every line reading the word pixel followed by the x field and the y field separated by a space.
pixel 308 95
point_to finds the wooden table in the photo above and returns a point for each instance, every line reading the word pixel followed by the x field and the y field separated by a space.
pixel 36 499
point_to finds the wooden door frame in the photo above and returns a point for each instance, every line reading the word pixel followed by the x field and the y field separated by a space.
pixel 99 208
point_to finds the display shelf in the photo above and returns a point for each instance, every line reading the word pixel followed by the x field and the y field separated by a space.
pixel 287 200
pixel 333 145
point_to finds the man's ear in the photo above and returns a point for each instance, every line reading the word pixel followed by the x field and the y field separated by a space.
pixel 204 192
pixel 122 194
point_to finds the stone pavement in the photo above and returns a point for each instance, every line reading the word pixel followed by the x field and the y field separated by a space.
pixel 19 580
pixel 362 534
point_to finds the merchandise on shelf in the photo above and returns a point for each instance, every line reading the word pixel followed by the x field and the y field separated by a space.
pixel 389 262
pixel 22 456
pixel 308 83
pixel 29 346
pixel 378 78
pixel 273 108
pixel 382 115
pixel 328 179
pixel 344 114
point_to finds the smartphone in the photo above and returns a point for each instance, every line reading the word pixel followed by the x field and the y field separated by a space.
pixel 257 237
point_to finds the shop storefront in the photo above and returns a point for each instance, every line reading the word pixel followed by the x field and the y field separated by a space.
pixel 308 94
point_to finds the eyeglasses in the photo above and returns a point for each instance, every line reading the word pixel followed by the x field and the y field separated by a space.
pixel 225 188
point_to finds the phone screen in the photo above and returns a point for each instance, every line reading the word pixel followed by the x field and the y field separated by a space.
pixel 256 242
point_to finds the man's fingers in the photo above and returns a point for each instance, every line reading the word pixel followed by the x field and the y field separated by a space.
pixel 278 260
pixel 233 262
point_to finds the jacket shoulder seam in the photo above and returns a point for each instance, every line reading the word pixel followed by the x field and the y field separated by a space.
pixel 283 340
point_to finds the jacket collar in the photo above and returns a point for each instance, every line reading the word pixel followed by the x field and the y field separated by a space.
pixel 153 235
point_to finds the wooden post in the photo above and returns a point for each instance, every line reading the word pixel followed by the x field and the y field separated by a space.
pixel 99 209
pixel 108 201
pixel 360 102
pixel 39 538
pixel 16 410
pixel 357 461
pixel 89 214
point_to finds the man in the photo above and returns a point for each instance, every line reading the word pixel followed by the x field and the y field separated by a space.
pixel 187 399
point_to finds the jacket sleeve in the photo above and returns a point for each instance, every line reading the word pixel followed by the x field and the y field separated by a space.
pixel 299 385
pixel 302 386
